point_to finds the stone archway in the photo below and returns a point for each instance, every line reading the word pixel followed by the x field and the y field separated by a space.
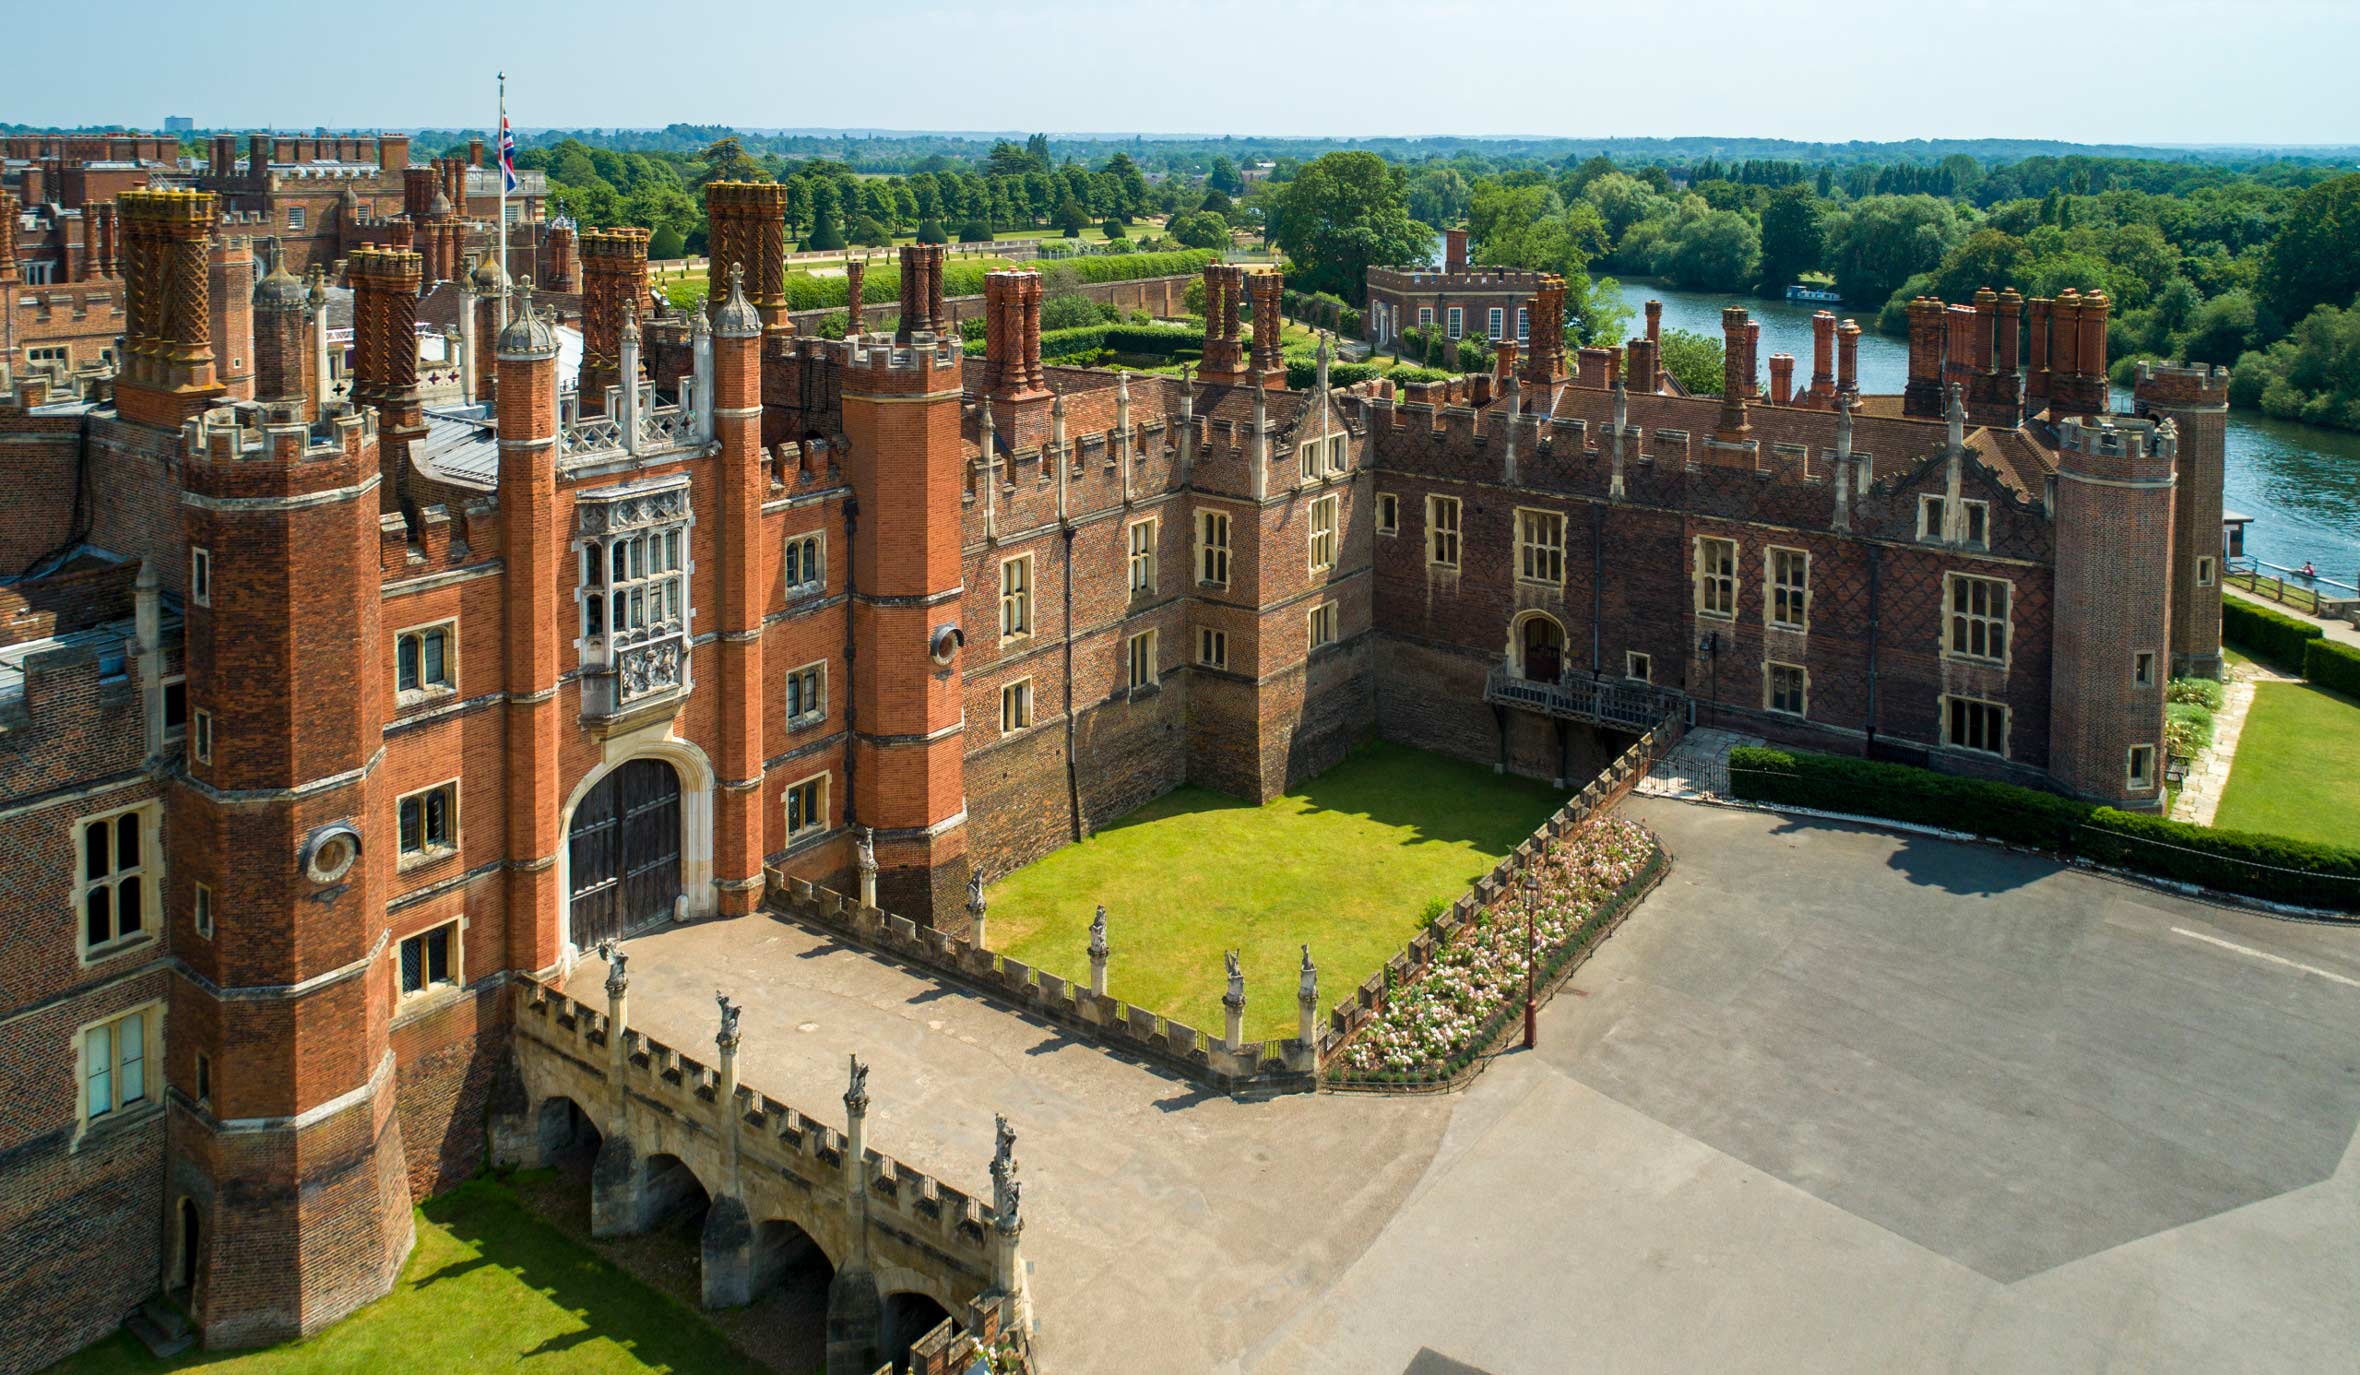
pixel 909 1315
pixel 694 775
pixel 1536 647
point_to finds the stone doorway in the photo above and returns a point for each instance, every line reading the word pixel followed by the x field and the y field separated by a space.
pixel 1544 649
pixel 624 852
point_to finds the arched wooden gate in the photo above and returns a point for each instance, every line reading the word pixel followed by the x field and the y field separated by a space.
pixel 624 852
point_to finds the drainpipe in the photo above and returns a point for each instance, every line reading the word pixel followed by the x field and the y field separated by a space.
pixel 1876 569
pixel 851 711
pixel 1073 778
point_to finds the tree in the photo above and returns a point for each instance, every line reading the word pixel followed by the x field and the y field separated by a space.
pixel 827 224
pixel 1718 251
pixel 1223 176
pixel 1792 236
pixel 1037 148
pixel 1196 229
pixel 727 160
pixel 1130 185
pixel 1342 214
pixel 1070 218
pixel 1882 240
pixel 2315 259
pixel 1694 359
pixel 931 231
pixel 976 230
pixel 1008 160
pixel 666 243
pixel 868 233
pixel 1114 228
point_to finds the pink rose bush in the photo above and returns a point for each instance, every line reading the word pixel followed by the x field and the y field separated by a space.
pixel 1480 972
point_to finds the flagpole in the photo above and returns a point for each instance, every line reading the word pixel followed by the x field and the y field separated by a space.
pixel 500 158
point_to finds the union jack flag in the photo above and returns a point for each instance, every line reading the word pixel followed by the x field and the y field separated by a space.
pixel 507 153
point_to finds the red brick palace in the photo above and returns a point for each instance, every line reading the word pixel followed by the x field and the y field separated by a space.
pixel 321 721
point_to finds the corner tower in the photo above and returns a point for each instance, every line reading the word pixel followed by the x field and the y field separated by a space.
pixel 2113 608
pixel 292 1153
pixel 901 420
pixel 2196 400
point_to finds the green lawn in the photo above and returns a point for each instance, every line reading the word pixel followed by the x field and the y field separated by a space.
pixel 1348 862
pixel 2298 766
pixel 489 1287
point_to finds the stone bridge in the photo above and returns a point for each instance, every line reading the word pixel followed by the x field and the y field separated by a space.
pixel 916 1267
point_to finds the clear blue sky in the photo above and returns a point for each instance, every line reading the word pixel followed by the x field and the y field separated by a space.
pixel 2258 71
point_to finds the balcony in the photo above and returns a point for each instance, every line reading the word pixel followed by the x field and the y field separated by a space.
pixel 1616 703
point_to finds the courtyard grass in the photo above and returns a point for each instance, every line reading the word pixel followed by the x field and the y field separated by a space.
pixel 489 1287
pixel 2297 772
pixel 1351 863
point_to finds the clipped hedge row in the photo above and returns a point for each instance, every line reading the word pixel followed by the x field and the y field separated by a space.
pixel 2333 664
pixel 2262 866
pixel 2264 633
pixel 881 283
pixel 1164 340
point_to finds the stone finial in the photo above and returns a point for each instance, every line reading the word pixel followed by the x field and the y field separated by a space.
pixel 1845 401
pixel 1098 949
pixel 618 978
pixel 1005 1188
pixel 975 899
pixel 1321 358
pixel 630 321
pixel 728 1037
pixel 865 849
pixel 1308 988
pixel 1956 416
pixel 1236 996
pixel 856 1093
pixel 737 319
pixel 528 335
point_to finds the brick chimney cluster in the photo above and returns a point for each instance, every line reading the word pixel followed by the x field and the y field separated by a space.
pixel 614 283
pixel 229 282
pixel 1454 250
pixel 854 310
pixel 1922 394
pixel 8 222
pixel 385 285
pixel 560 269
pixel 1269 292
pixel 167 371
pixel 2066 372
pixel 1014 386
pixel 1642 365
pixel 1848 359
pixel 1823 359
pixel 1782 379
pixel 1223 362
pixel 748 228
pixel 921 291
pixel 1544 358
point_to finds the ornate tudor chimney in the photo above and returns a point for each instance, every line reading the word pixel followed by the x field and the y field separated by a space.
pixel 1014 387
pixel 1922 397
pixel 614 284
pixel 167 372
pixel 1269 292
pixel 1223 365
pixel 1737 368
pixel 1544 358
pixel 385 285
pixel 748 229
pixel 1823 358
pixel 921 291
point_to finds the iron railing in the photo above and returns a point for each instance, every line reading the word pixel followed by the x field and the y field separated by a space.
pixel 1616 702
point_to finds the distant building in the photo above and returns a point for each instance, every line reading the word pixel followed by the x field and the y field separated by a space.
pixel 179 124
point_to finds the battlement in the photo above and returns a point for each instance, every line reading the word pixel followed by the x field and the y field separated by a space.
pixel 1465 278
pixel 625 242
pixel 256 433
pixel 189 209
pixel 2182 384
pixel 878 353
pixel 747 197
pixel 2118 436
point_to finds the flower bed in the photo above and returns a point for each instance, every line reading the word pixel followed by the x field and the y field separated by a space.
pixel 1446 1015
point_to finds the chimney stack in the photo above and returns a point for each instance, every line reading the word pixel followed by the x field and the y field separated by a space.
pixel 1639 369
pixel 1753 359
pixel 1782 379
pixel 1848 359
pixel 1224 284
pixel 229 280
pixel 166 374
pixel 614 284
pixel 921 291
pixel 854 308
pixel 1922 397
pixel 1544 358
pixel 747 228
pixel 1454 250
pixel 1823 356
pixel 1736 370
pixel 1269 288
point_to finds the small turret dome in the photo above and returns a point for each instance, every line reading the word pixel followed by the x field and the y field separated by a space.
pixel 527 335
pixel 280 290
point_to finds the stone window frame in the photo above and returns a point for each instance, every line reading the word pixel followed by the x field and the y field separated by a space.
pixel 1325 537
pixel 200 575
pixel 1339 447
pixel 1778 592
pixel 1723 577
pixel 2138 768
pixel 427 851
pixel 1495 322
pixel 1532 546
pixel 2143 662
pixel 164 688
pixel 295 217
pixel 448 684
pixel 1388 522
pixel 816 709
pixel 1934 527
pixel 1016 597
pixel 60 354
pixel 2205 567
pixel 200 735
pixel 1016 705
pixel 1772 669
pixel 1639 666
pixel 1523 323
pixel 1454 322
pixel 1140 668
pixel 815 542
pixel 1212 547
pixel 1956 624
pixel 1323 625
pixel 808 795
pixel 201 911
pixel 454 953
pixel 1212 647
pixel 1443 537
pixel 1952 702
pixel 1140 559
pixel 148 824
pixel 1425 317
pixel 150 1015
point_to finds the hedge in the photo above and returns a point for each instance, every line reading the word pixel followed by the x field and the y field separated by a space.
pixel 1164 340
pixel 881 284
pixel 2333 664
pixel 2264 633
pixel 2261 866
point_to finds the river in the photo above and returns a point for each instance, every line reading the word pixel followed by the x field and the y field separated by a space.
pixel 2300 484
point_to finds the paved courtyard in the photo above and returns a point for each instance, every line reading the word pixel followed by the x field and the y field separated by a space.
pixel 1833 1099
